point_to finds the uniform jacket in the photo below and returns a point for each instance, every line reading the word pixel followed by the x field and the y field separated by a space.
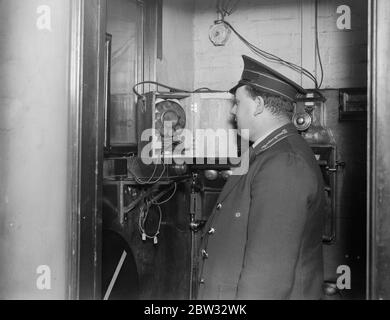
pixel 264 237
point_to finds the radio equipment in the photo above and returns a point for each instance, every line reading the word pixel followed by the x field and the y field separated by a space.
pixel 185 127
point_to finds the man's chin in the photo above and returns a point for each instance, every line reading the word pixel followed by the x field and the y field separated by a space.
pixel 244 134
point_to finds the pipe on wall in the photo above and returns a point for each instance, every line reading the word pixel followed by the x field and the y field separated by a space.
pixel 379 153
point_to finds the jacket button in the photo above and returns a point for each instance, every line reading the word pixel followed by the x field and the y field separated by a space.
pixel 211 231
pixel 219 206
pixel 201 281
pixel 205 255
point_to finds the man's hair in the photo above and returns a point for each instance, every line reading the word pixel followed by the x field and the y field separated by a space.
pixel 277 105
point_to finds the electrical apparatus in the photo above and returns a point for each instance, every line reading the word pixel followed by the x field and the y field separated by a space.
pixel 186 128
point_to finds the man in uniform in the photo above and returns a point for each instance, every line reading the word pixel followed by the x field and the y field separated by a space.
pixel 264 237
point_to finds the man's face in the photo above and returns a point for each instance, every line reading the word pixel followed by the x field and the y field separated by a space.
pixel 244 109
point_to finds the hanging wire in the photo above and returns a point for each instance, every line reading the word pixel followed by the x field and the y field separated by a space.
pixel 318 45
pixel 225 8
pixel 169 198
pixel 158 85
pixel 271 57
pixel 162 173
pixel 143 217
pixel 171 89
pixel 233 8
pixel 139 180
pixel 149 180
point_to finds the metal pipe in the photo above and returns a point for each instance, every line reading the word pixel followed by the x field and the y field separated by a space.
pixel 372 44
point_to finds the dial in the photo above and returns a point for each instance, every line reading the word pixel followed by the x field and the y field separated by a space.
pixel 170 118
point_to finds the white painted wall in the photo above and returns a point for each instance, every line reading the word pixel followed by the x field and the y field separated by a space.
pixel 177 66
pixel 284 28
pixel 33 148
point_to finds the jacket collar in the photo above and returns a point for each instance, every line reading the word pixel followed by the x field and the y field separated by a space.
pixel 272 139
pixel 275 137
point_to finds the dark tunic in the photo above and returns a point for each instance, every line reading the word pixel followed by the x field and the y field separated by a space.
pixel 264 237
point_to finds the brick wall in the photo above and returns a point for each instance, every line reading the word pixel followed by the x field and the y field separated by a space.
pixel 284 28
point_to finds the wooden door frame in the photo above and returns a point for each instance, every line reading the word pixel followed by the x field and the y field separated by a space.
pixel 86 139
pixel 86 134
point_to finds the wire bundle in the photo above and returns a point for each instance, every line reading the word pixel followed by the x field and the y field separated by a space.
pixel 154 201
pixel 223 9
pixel 226 8
pixel 271 57
pixel 172 89
pixel 144 213
pixel 149 181
pixel 318 46
pixel 143 216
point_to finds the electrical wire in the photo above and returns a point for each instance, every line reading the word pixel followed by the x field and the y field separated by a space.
pixel 145 210
pixel 233 8
pixel 157 197
pixel 143 216
pixel 206 90
pixel 170 197
pixel 115 178
pixel 162 173
pixel 172 89
pixel 158 85
pixel 167 200
pixel 271 57
pixel 318 46
pixel 139 180
pixel 149 181
pixel 262 53
pixel 223 7
pixel 219 6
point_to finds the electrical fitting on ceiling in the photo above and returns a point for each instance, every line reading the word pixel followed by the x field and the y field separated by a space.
pixel 220 32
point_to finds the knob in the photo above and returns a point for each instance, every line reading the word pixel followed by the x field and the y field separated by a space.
pixel 211 175
pixel 226 174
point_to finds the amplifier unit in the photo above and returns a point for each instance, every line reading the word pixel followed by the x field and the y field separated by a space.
pixel 183 127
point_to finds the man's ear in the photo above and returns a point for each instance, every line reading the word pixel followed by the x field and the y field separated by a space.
pixel 259 106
